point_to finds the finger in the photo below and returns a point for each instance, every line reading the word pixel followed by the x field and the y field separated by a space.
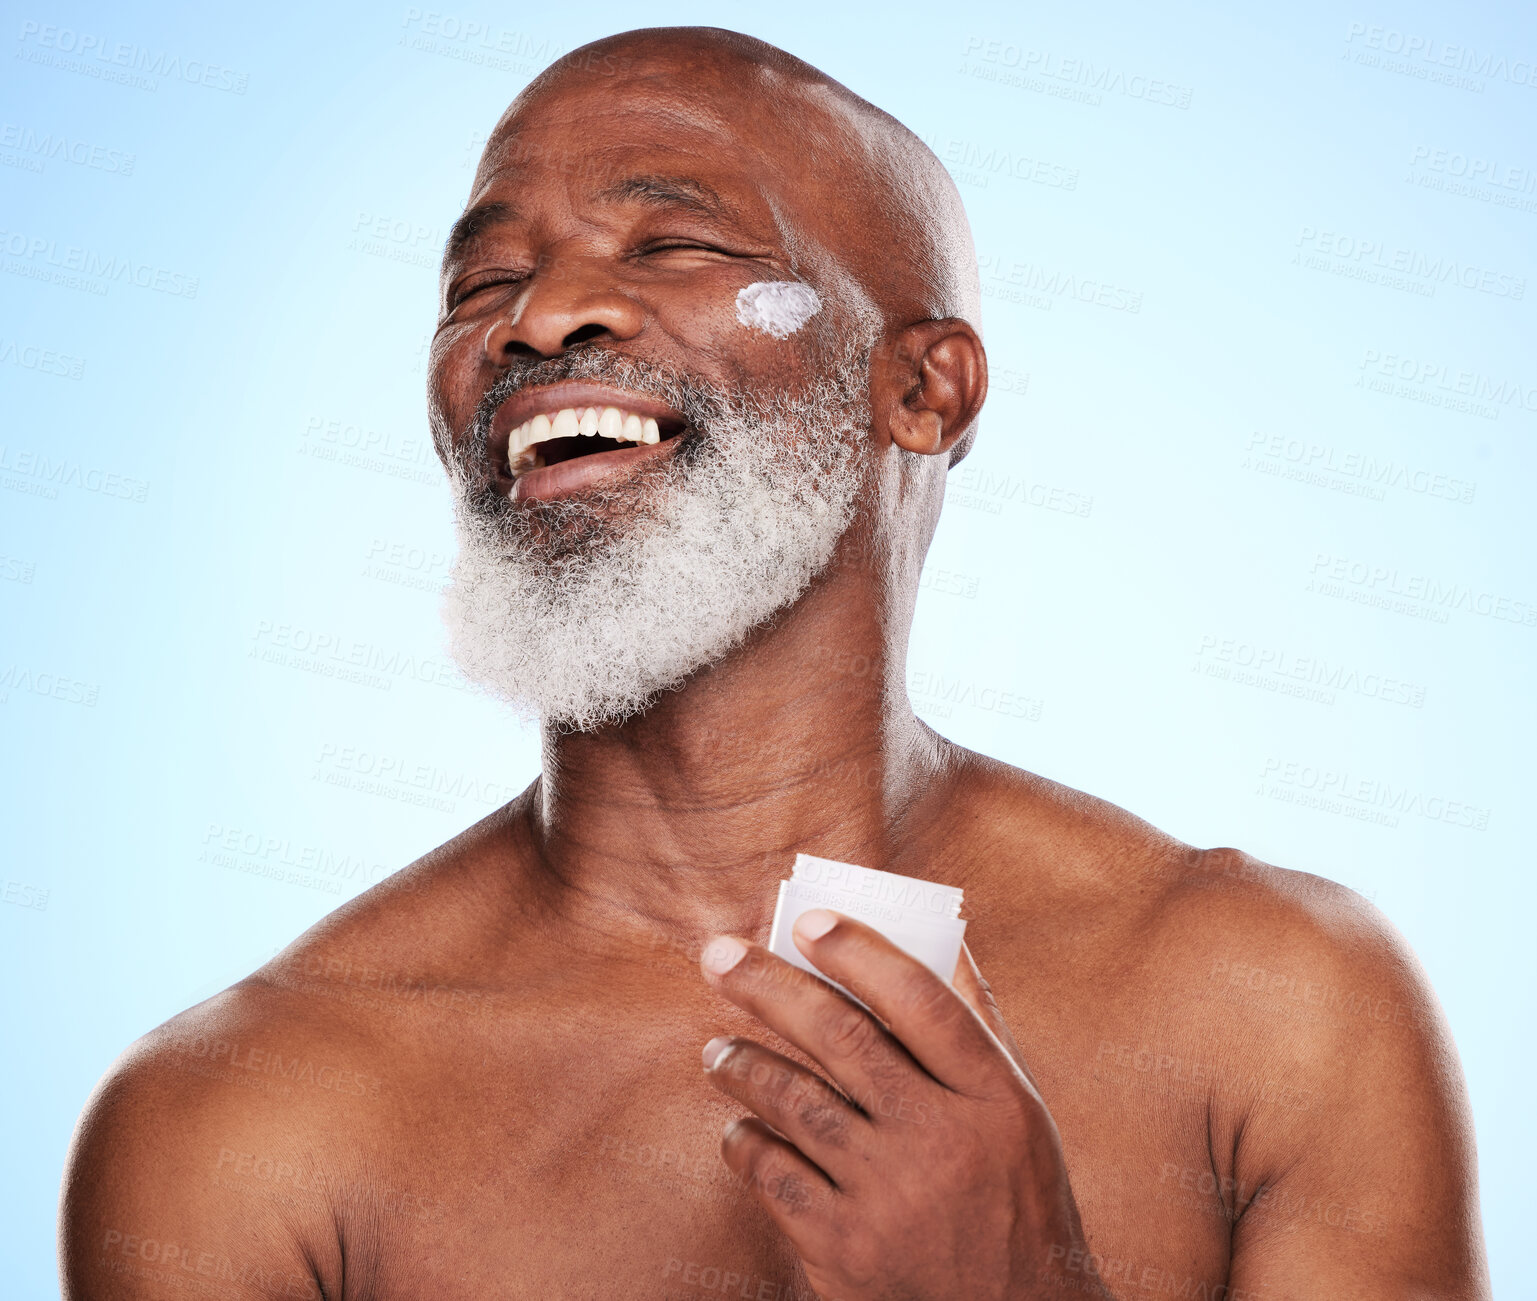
pixel 798 1195
pixel 970 985
pixel 944 1033
pixel 850 1044
pixel 821 1123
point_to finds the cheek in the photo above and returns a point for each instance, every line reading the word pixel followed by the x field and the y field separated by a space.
pixel 700 330
pixel 777 308
pixel 444 356
pixel 743 336
pixel 457 373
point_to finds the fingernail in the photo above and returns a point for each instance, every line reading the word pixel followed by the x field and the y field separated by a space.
pixel 722 953
pixel 816 923
pixel 714 1049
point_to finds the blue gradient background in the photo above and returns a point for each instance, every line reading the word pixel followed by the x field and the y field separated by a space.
pixel 310 206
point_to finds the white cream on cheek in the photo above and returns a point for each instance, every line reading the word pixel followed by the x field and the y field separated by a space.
pixel 777 307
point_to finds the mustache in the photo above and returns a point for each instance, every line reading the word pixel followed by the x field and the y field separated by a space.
pixel 698 401
pixel 686 394
pixel 706 407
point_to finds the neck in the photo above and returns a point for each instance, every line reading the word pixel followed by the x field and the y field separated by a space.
pixel 682 820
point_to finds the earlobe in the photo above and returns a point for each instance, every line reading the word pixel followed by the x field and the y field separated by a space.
pixel 928 433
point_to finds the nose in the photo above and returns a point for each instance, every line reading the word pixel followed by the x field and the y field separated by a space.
pixel 568 301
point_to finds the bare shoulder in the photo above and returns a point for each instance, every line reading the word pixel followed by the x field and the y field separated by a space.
pixel 1273 933
pixel 1279 935
pixel 1355 1131
pixel 231 1144
pixel 1282 956
pixel 160 1182
pixel 1293 1018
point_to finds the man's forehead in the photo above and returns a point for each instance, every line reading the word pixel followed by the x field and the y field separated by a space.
pixel 667 86
pixel 643 171
pixel 642 126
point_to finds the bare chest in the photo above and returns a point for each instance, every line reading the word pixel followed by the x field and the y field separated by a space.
pixel 577 1187
pixel 585 1166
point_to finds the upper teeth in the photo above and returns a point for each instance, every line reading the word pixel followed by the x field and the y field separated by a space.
pixel 609 422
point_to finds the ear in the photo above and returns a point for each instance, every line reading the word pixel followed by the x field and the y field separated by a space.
pixel 927 386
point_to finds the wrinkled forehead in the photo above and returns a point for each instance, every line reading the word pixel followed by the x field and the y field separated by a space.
pixel 743 153
pixel 585 144
pixel 636 110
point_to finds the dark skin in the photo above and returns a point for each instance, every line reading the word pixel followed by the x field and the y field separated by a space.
pixel 1186 1073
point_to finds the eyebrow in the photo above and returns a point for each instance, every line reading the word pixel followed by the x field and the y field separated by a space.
pixel 653 191
pixel 667 192
pixel 471 224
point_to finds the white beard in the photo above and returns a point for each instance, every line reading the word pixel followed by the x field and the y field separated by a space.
pixel 581 611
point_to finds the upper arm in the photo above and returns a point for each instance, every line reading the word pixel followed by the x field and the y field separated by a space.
pixel 1366 1184
pixel 152 1205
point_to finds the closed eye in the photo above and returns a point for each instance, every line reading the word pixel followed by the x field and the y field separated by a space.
pixel 688 246
pixel 470 290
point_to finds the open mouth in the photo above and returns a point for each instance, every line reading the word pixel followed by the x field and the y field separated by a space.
pixel 555 437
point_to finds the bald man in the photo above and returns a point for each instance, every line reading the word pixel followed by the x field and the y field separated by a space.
pixel 709 342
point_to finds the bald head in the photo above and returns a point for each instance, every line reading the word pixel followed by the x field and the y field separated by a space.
pixel 843 174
